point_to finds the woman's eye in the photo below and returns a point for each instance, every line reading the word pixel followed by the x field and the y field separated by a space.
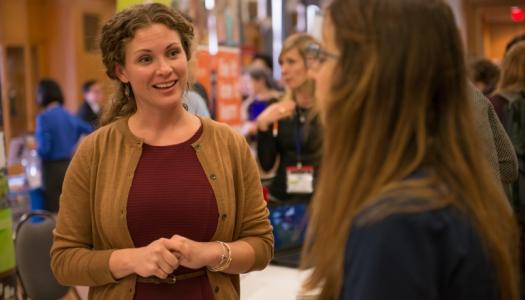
pixel 173 53
pixel 321 57
pixel 144 59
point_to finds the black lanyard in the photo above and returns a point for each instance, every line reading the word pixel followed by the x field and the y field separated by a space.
pixel 298 137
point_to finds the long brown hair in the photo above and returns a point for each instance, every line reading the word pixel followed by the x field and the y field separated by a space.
pixel 398 103
pixel 513 70
pixel 118 31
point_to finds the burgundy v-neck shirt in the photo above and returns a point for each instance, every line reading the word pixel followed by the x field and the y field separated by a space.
pixel 170 194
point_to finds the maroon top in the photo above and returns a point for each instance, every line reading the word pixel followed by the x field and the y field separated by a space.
pixel 499 103
pixel 170 194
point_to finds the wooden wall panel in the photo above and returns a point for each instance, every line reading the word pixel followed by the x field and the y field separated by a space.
pixel 488 23
pixel 57 32
pixel 13 22
pixel 50 34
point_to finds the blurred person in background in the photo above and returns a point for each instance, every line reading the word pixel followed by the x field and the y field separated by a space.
pixel 495 141
pixel 289 131
pixel 265 62
pixel 263 96
pixel 245 86
pixel 90 109
pixel 195 104
pixel 407 206
pixel 485 75
pixel 511 78
pixel 517 39
pixel 57 134
pixel 158 203
pixel 262 61
pixel 196 97
pixel 510 99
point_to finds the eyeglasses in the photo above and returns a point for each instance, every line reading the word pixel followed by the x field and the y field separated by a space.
pixel 315 56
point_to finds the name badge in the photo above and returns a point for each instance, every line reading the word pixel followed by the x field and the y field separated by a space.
pixel 300 180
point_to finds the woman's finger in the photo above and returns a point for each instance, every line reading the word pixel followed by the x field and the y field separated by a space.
pixel 165 266
pixel 171 259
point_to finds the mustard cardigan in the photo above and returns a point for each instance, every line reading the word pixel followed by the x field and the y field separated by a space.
pixel 92 217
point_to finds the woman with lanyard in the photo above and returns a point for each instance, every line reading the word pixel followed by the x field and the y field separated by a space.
pixel 289 131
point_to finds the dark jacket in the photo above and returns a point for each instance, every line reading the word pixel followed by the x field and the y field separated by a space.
pixel 87 114
pixel 270 148
pixel 433 255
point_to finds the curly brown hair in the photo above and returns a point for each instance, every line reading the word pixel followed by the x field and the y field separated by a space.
pixel 118 31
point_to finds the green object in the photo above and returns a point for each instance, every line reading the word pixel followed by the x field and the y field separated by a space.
pixel 4 188
pixel 7 248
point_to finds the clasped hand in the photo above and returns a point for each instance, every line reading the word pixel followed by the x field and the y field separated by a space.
pixel 161 257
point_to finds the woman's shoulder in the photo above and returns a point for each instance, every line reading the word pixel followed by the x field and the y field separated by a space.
pixel 112 132
pixel 432 220
pixel 406 250
pixel 445 228
pixel 219 131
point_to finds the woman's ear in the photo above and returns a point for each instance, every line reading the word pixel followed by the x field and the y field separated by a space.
pixel 121 73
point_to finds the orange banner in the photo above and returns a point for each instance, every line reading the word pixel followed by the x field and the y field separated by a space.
pixel 220 75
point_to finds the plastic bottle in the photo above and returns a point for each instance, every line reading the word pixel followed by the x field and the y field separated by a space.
pixel 32 165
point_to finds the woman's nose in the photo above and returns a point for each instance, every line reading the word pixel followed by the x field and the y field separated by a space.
pixel 163 67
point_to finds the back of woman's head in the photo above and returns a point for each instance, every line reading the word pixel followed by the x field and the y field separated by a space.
pixel 48 91
pixel 398 103
pixel 116 34
pixel 260 74
pixel 400 57
pixel 513 69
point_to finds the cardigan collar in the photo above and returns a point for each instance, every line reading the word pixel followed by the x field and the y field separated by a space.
pixel 122 126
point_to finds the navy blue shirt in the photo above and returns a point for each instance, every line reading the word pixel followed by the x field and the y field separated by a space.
pixel 57 133
pixel 430 255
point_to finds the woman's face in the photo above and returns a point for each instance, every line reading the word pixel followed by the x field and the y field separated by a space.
pixel 293 69
pixel 156 67
pixel 325 66
pixel 258 85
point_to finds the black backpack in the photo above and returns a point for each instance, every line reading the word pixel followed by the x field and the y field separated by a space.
pixel 514 123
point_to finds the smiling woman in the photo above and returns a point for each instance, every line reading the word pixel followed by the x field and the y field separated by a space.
pixel 158 203
pixel 156 67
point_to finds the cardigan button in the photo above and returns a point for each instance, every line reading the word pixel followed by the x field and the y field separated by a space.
pixel 197 147
pixel 224 216
pixel 213 177
pixel 216 289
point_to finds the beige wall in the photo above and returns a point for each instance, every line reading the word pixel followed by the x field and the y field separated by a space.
pixel 13 21
pixel 48 35
pixel 51 34
pixel 62 45
pixel 489 26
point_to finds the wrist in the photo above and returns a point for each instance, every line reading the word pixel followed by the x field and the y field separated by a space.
pixel 120 263
pixel 262 126
pixel 216 254
pixel 225 258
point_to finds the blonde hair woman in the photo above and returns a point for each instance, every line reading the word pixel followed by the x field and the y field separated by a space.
pixel 512 80
pixel 288 131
